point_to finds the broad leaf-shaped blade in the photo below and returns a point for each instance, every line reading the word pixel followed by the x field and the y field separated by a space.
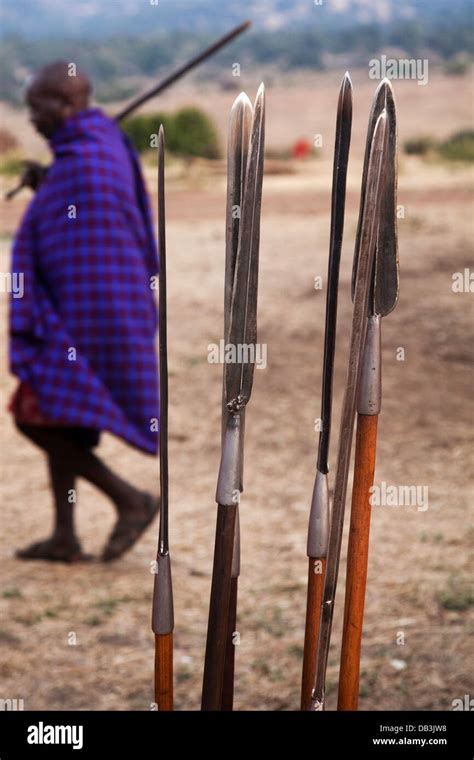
pixel 243 321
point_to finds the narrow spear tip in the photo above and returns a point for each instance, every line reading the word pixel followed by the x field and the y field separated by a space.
pixel 260 97
pixel 385 86
pixel 345 96
pixel 241 98
pixel 388 88
pixel 241 102
pixel 161 138
pixel 346 79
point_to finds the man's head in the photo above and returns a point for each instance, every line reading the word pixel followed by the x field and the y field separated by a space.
pixel 57 91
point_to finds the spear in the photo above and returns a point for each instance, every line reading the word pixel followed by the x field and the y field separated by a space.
pixel 383 298
pixel 162 615
pixel 240 125
pixel 238 380
pixel 318 528
pixel 375 178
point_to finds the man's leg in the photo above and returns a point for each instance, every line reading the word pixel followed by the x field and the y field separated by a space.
pixel 136 509
pixel 63 545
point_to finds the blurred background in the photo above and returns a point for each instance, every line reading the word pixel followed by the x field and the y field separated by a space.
pixel 420 590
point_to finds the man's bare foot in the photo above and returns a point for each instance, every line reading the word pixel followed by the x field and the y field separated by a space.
pixel 131 523
pixel 54 550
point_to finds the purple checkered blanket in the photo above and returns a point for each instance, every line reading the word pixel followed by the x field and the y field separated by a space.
pixel 83 333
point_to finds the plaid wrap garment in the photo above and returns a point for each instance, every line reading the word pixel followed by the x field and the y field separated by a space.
pixel 82 337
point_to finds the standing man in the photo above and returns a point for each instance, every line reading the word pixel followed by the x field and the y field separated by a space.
pixel 82 337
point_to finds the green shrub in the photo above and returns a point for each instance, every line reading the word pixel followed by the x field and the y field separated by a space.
pixel 459 147
pixel 457 66
pixel 189 132
pixel 141 128
pixel 419 146
pixel 194 134
pixel 11 166
pixel 457 595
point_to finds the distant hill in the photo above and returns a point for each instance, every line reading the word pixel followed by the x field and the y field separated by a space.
pixel 120 41
pixel 37 19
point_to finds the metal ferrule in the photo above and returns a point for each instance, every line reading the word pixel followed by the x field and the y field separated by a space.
pixel 369 394
pixel 318 528
pixel 228 482
pixel 162 620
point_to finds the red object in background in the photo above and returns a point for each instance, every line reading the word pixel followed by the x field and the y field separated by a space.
pixel 301 149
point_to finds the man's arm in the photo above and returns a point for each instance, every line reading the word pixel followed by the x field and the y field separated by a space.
pixel 32 176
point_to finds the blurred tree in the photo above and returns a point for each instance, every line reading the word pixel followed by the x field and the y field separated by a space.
pixel 189 132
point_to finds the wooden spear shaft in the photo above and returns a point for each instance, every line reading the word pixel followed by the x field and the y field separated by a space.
pixel 357 562
pixel 164 672
pixel 213 680
pixel 368 408
pixel 316 576
pixel 227 702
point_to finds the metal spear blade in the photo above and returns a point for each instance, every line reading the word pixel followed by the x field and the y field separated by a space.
pixel 243 321
pixel 386 254
pixel 245 176
pixel 384 294
pixel 163 346
pixel 341 158
pixel 369 226
pixel 162 614
pixel 240 125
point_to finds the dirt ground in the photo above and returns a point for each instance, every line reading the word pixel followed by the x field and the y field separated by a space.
pixel 79 637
